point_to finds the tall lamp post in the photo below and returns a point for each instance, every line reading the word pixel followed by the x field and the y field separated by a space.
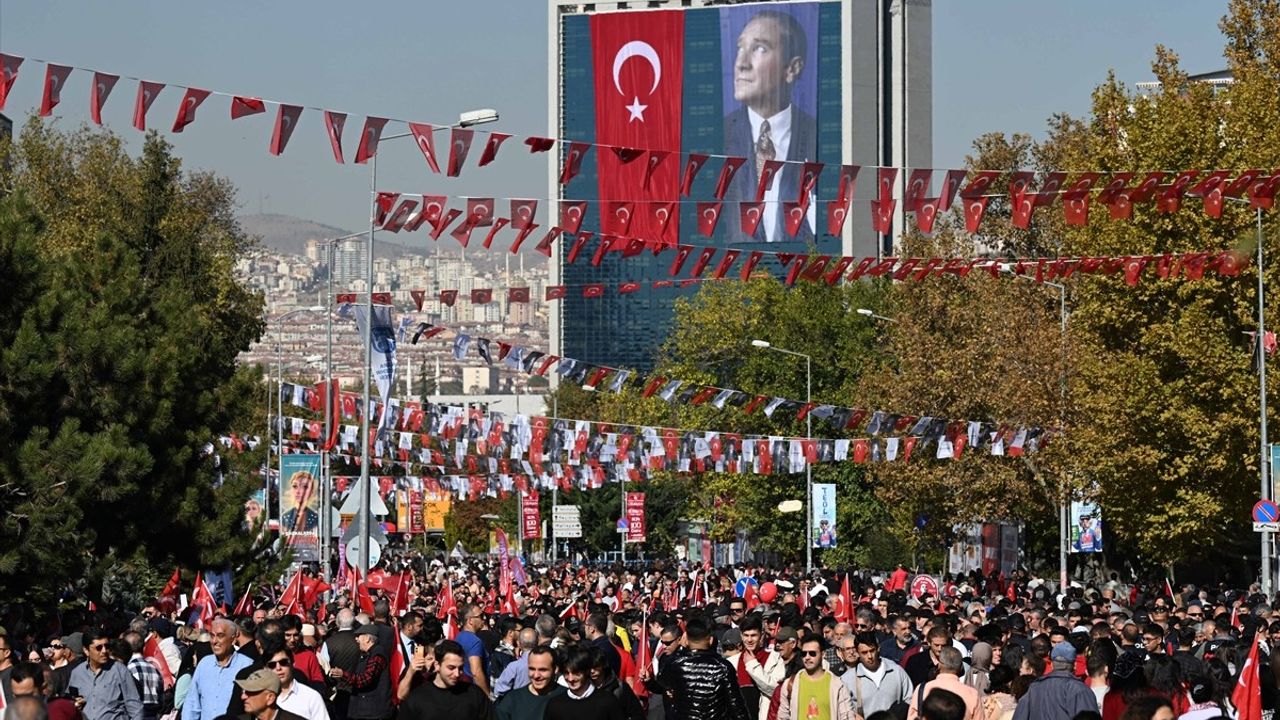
pixel 808 470
pixel 466 119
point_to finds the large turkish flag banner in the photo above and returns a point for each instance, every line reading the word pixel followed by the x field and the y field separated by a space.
pixel 639 69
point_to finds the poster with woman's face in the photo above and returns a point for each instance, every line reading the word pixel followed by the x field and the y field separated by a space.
pixel 300 505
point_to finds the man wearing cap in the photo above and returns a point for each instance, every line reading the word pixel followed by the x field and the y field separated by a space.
pixel 214 679
pixel 370 682
pixel 787 644
pixel 1057 695
pixel 68 652
pixel 259 693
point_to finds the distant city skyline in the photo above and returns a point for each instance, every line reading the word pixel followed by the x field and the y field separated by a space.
pixel 998 66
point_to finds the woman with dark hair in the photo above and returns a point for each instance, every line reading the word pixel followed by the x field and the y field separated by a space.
pixel 1164 677
pixel 1150 707
pixel 1201 689
pixel 999 701
pixel 1128 684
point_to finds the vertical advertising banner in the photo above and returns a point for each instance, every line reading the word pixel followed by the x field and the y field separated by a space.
pixel 416 515
pixel 402 510
pixel 824 515
pixel 384 352
pixel 300 505
pixel 635 517
pixel 530 517
pixel 1086 533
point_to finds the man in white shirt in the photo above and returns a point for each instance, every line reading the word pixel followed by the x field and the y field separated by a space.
pixel 294 696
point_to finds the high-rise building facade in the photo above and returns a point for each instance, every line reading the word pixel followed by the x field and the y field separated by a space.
pixel 845 82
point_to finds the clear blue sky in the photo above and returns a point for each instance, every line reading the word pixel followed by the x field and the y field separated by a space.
pixel 997 65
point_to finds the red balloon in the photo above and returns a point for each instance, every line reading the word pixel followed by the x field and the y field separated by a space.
pixel 768 592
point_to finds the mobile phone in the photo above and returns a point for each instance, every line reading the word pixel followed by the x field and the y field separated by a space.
pixel 73 691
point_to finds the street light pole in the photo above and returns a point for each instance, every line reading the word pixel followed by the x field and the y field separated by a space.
pixel 466 119
pixel 808 469
pixel 1263 474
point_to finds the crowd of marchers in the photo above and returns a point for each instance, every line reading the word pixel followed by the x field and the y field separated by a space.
pixel 468 639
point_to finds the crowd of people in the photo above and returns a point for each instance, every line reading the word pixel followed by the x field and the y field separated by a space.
pixel 661 642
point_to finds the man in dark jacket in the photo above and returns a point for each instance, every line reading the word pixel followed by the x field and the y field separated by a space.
pixel 582 700
pixel 449 694
pixel 1058 695
pixel 371 681
pixel 700 684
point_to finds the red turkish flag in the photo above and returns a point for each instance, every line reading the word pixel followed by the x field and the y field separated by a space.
pixel 9 65
pixel 974 199
pixel 749 265
pixel 571 213
pixel 102 86
pixel 594 290
pixel 727 171
pixel 147 92
pixel 917 187
pixel 241 106
pixel 491 148
pixel 459 146
pixel 480 211
pixel 794 212
pixel 662 212
pixel 725 263
pixel 424 135
pixel 627 288
pixel 518 295
pixel 498 224
pixel 651 164
pixel 691 168
pixel 55 77
pixel 1247 695
pixel 708 216
pixel 449 297
pixel 286 121
pixel 749 214
pixel 1170 199
pixel 1075 201
pixel 770 168
pixel 539 144
pixel 555 292
pixel 522 213
pixel 369 138
pixel 418 297
pixel 927 212
pixel 573 161
pixel 701 263
pixel 333 124
pixel 639 66
pixel 848 182
pixel 617 218
pixel 481 296
pixel 400 216
pixel 808 181
pixel 837 211
pixel 682 254
pixel 187 109
pixel 578 243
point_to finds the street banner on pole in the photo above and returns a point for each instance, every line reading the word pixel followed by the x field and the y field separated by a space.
pixel 1086 534
pixel 383 353
pixel 824 515
pixel 300 505
pixel 635 517
pixel 531 519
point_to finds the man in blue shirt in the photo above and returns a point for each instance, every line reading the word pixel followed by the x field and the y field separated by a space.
pixel 472 621
pixel 215 675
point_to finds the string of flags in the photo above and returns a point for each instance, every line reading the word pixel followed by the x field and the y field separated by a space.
pixel 681 392
pixel 396 214
pixel 473 452
pixel 1119 191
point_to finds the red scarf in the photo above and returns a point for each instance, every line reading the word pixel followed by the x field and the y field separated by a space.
pixel 744 680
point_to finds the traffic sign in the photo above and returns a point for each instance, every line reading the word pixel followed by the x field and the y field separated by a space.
pixel 623 525
pixel 566 521
pixel 353 553
pixel 1266 511
pixel 922 585
pixel 1271 527
pixel 740 587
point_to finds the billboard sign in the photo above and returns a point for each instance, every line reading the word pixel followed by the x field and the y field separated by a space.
pixel 300 505
pixel 824 515
pixel 1086 532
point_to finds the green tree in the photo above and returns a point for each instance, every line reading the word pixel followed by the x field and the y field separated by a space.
pixel 118 360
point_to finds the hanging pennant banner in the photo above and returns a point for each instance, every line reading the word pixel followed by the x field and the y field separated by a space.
pixel 635 517
pixel 531 518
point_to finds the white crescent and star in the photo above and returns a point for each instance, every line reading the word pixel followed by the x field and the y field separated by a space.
pixel 644 51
